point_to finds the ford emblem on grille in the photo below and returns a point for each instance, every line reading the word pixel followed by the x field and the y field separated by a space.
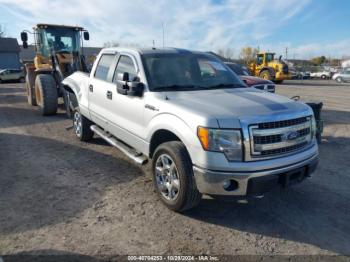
pixel 290 135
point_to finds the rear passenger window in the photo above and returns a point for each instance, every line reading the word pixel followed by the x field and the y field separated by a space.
pixel 125 65
pixel 103 67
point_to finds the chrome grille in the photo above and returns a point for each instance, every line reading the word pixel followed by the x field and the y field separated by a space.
pixel 280 137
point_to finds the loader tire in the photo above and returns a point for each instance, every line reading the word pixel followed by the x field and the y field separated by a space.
pixel 265 74
pixel 30 93
pixel 46 94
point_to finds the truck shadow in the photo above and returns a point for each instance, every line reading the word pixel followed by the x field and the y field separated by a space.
pixel 316 212
pixel 45 182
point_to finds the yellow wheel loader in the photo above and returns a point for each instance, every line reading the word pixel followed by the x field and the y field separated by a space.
pixel 58 54
pixel 269 68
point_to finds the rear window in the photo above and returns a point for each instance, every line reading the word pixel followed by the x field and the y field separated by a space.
pixel 103 67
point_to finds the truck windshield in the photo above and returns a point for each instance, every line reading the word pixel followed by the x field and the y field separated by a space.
pixel 172 72
pixel 60 40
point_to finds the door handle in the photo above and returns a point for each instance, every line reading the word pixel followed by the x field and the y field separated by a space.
pixel 91 88
pixel 109 95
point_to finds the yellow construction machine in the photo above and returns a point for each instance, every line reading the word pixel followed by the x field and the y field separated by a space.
pixel 269 68
pixel 58 53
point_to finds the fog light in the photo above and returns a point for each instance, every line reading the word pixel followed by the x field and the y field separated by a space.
pixel 230 185
pixel 226 184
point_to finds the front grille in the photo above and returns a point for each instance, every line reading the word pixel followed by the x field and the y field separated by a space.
pixel 283 150
pixel 283 123
pixel 280 137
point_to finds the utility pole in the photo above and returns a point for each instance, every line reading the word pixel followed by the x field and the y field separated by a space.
pixel 163 34
pixel 286 53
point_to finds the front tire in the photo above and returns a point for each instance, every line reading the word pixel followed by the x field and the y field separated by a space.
pixel 339 80
pixel 46 94
pixel 81 126
pixel 173 177
pixel 323 77
pixel 265 75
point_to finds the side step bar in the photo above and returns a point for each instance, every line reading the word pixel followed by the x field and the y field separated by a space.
pixel 129 151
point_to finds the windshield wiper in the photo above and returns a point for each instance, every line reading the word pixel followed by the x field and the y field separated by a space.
pixel 224 85
pixel 175 87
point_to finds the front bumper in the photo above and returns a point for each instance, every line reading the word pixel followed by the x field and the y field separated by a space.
pixel 252 183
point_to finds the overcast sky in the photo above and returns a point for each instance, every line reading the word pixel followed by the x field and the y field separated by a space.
pixel 307 27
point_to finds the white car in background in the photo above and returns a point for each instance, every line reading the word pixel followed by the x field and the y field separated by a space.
pixel 342 76
pixel 321 74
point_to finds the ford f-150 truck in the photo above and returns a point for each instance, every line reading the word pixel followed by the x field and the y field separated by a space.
pixel 203 129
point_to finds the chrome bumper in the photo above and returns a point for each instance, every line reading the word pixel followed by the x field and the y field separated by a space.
pixel 211 182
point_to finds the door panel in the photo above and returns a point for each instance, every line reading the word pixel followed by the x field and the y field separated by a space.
pixel 97 89
pixel 126 112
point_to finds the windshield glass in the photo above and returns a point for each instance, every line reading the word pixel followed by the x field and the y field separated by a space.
pixel 60 40
pixel 270 57
pixel 187 72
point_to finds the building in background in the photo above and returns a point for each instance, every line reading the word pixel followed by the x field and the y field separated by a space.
pixel 9 54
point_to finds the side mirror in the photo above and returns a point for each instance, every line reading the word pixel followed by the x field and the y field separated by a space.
pixel 24 37
pixel 86 35
pixel 126 87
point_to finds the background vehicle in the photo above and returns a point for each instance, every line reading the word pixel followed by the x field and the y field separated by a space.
pixel 58 54
pixel 343 76
pixel 12 75
pixel 321 74
pixel 251 81
pixel 269 68
pixel 205 132
pixel 302 75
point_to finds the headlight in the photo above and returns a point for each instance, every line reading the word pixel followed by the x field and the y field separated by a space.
pixel 227 141
pixel 313 126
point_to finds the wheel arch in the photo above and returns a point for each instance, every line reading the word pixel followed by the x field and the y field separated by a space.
pixel 168 127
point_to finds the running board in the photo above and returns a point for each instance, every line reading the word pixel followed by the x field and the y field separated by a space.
pixel 129 151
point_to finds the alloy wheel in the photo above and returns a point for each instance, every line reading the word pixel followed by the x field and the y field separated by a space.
pixel 167 177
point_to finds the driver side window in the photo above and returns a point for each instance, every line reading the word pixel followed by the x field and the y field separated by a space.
pixel 125 65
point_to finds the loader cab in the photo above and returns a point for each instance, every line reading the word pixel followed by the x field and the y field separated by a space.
pixel 265 58
pixel 61 40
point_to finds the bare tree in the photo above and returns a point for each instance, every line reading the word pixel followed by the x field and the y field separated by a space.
pixel 2 31
pixel 248 54
pixel 227 53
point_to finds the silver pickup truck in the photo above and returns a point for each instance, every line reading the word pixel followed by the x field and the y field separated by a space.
pixel 205 131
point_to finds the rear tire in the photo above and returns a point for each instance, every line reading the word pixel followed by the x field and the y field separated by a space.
pixel 30 93
pixel 46 94
pixel 323 77
pixel 172 172
pixel 81 126
pixel 278 82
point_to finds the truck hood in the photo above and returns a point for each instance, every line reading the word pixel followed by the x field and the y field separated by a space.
pixel 230 106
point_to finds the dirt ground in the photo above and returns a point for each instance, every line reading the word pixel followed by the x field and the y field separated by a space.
pixel 59 195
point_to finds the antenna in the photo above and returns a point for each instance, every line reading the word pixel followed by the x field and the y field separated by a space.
pixel 154 44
